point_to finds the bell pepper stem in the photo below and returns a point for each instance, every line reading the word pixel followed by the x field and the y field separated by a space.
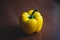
pixel 33 12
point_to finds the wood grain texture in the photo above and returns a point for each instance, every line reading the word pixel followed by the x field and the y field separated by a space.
pixel 10 12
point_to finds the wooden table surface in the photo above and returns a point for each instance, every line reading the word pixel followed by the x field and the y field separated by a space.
pixel 11 10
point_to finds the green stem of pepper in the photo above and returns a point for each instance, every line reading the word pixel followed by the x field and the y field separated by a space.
pixel 32 14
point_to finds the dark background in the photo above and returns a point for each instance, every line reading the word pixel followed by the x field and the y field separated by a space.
pixel 10 11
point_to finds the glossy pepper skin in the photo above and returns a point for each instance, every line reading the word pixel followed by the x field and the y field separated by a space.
pixel 31 22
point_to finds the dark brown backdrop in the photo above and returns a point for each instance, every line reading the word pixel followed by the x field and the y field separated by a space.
pixel 10 11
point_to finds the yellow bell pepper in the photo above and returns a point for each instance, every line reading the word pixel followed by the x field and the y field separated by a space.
pixel 31 21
